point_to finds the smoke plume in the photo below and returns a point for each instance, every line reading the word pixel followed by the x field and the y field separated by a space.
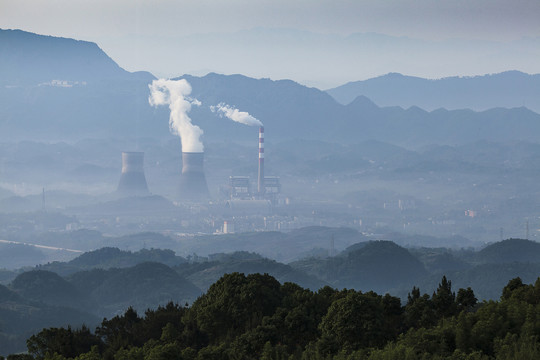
pixel 235 115
pixel 175 94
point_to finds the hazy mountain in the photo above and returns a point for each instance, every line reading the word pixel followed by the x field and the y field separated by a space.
pixel 439 260
pixel 21 319
pixel 31 59
pixel 99 291
pixel 7 276
pixel 414 241
pixel 63 88
pixel 487 280
pixel 35 300
pixel 47 287
pixel 8 295
pixel 373 265
pixel 114 103
pixel 108 257
pixel 142 286
pixel 509 251
pixel 317 58
pixel 113 257
pixel 205 274
pixel 290 110
pixel 508 89
pixel 281 246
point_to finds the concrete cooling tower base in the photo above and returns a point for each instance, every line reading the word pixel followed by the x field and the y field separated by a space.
pixel 193 186
pixel 134 184
pixel 132 181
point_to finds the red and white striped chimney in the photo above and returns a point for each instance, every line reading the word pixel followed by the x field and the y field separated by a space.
pixel 260 183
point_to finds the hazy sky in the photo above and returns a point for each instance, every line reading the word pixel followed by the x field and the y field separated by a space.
pixel 147 34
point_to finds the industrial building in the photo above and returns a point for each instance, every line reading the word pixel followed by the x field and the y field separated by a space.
pixel 267 187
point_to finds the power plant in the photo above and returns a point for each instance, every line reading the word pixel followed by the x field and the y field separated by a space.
pixel 267 187
pixel 132 181
pixel 193 186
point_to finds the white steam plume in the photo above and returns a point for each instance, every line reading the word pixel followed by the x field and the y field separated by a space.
pixel 175 94
pixel 235 115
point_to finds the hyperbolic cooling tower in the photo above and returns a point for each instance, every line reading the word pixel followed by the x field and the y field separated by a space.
pixel 133 182
pixel 193 182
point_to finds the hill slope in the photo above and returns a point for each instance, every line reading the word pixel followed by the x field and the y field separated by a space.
pixel 374 265
pixel 142 286
pixel 511 250
pixel 27 58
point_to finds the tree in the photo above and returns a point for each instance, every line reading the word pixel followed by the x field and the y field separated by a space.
pixel 121 331
pixel 64 342
pixel 351 323
pixel 155 320
pixel 20 357
pixel 236 303
pixel 465 299
pixel 512 285
pixel 418 310
pixel 444 300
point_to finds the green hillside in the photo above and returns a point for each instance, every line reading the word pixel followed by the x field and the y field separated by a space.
pixel 511 250
pixel 374 265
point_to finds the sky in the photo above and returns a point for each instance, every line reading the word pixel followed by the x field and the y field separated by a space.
pixel 317 42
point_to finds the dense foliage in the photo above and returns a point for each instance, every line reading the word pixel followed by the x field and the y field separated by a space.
pixel 255 317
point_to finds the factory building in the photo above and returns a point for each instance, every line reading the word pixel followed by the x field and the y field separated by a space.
pixel 267 187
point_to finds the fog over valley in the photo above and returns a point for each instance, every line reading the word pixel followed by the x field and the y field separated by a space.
pixel 228 215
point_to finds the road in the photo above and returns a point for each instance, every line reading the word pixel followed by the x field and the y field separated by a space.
pixel 40 246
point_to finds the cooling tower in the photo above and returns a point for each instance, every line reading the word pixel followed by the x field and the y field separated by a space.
pixel 260 181
pixel 132 182
pixel 193 185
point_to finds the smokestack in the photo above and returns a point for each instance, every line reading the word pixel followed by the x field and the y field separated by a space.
pixel 193 182
pixel 132 181
pixel 260 183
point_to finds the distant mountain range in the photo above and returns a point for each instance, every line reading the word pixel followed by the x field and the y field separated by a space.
pixel 290 111
pixel 318 59
pixel 73 90
pixel 509 89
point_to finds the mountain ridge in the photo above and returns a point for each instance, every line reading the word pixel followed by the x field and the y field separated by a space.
pixel 507 89
pixel 30 59
pixel 114 104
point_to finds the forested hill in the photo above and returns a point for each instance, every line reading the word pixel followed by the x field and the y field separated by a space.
pixel 256 317
pixel 509 251
pixel 109 257
pixel 107 281
pixel 373 265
